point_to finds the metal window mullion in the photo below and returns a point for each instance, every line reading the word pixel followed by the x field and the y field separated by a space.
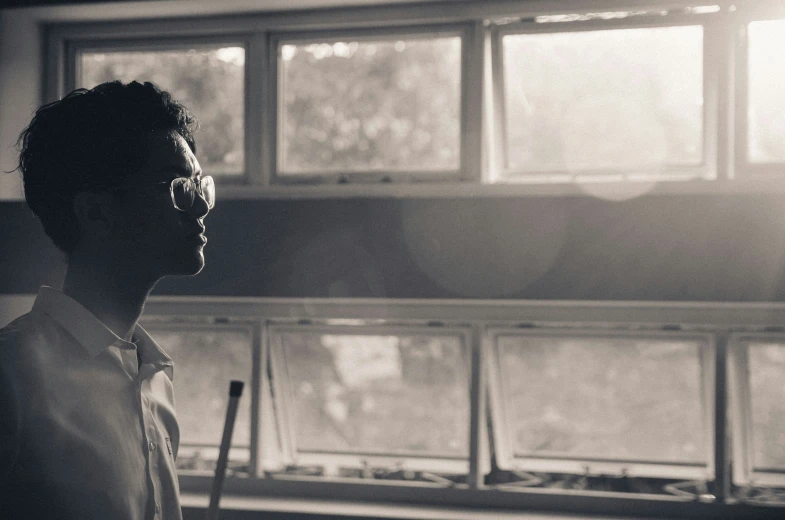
pixel 472 94
pixel 715 93
pixel 741 404
pixel 740 48
pixel 257 370
pixel 721 460
pixel 500 161
pixel 477 410
pixel 255 113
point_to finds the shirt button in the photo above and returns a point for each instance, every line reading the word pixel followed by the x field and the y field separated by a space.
pixel 152 446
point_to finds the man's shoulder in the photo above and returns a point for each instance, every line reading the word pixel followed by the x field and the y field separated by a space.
pixel 26 330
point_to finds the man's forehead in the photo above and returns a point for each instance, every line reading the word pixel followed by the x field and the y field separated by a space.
pixel 169 154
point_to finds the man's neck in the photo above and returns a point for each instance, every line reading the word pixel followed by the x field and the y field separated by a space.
pixel 116 300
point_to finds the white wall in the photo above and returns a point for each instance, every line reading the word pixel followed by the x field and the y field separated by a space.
pixel 21 53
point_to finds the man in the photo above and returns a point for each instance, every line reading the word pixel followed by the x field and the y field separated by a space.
pixel 87 421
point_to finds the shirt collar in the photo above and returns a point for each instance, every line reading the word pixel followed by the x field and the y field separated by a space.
pixel 92 334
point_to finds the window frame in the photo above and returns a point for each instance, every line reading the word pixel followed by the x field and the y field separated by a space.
pixel 75 47
pixel 507 459
pixel 467 147
pixel 744 471
pixel 706 170
pixel 407 461
pixel 284 494
pixel 720 33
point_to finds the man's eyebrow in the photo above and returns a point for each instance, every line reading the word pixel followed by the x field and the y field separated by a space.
pixel 182 171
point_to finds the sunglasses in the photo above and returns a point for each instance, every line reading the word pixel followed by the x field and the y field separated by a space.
pixel 183 191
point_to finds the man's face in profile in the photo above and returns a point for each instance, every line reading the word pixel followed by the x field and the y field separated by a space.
pixel 158 238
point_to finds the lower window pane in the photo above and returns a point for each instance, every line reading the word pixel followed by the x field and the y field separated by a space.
pixel 605 398
pixel 767 385
pixel 209 81
pixel 205 361
pixel 379 394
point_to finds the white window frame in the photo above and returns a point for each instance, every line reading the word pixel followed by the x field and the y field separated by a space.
pixel 704 171
pixel 744 471
pixel 405 461
pixel 264 491
pixel 506 458
pixel 744 169
pixel 467 147
pixel 478 157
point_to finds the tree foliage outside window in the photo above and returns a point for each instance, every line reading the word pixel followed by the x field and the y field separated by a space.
pixel 606 398
pixel 617 100
pixel 379 394
pixel 209 81
pixel 358 106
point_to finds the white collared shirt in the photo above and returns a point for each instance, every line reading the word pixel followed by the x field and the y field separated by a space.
pixel 87 429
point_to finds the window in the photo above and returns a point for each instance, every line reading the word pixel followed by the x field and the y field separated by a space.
pixel 391 397
pixel 207 358
pixel 568 400
pixel 759 369
pixel 761 106
pixel 387 105
pixel 625 101
pixel 366 400
pixel 208 79
pixel 485 99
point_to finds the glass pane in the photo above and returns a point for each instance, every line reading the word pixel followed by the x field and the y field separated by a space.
pixel 209 81
pixel 766 104
pixel 370 105
pixel 613 99
pixel 205 361
pixel 767 384
pixel 607 398
pixel 379 393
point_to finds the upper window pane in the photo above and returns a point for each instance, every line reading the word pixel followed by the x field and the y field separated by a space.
pixel 607 398
pixel 207 80
pixel 382 394
pixel 370 105
pixel 766 98
pixel 767 381
pixel 599 101
pixel 205 361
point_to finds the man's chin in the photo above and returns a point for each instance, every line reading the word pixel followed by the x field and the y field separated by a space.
pixel 191 267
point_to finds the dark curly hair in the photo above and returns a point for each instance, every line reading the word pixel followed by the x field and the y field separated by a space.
pixel 92 140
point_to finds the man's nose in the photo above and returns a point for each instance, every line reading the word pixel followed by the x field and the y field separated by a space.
pixel 199 208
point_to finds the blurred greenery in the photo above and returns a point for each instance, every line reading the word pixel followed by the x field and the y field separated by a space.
pixel 371 105
pixel 205 361
pixel 209 81
pixel 767 385
pixel 379 394
pixel 609 398
pixel 618 99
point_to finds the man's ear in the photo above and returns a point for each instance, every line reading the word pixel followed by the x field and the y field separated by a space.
pixel 94 212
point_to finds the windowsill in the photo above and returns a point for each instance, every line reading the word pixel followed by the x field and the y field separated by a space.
pixel 601 190
pixel 365 509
